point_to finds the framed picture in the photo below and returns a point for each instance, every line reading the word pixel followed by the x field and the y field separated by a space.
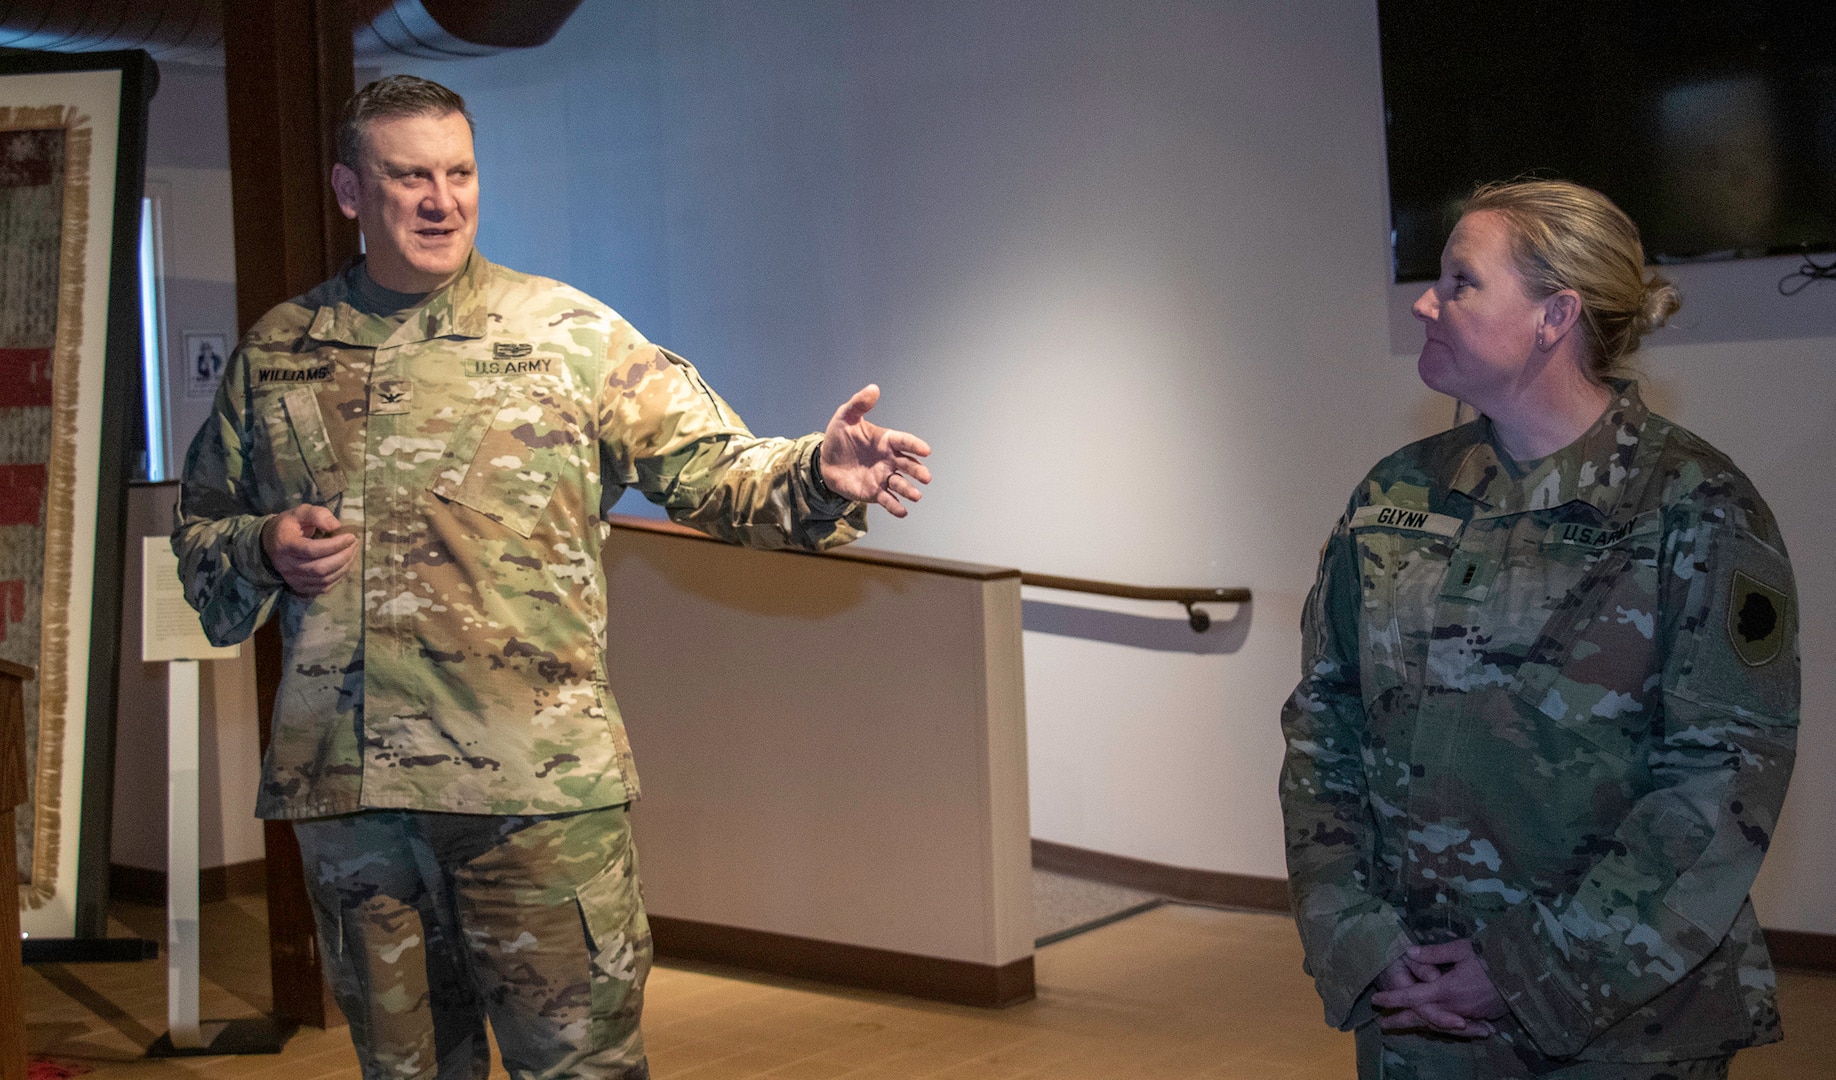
pixel 72 156
pixel 204 359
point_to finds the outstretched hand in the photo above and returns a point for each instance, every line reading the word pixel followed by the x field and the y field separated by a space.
pixel 304 550
pixel 868 463
pixel 1444 987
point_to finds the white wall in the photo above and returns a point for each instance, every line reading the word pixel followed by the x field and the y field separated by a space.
pixel 188 174
pixel 1126 267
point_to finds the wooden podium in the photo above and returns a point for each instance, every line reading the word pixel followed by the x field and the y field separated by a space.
pixel 13 791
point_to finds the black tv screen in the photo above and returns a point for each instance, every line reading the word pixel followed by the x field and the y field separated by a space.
pixel 1711 122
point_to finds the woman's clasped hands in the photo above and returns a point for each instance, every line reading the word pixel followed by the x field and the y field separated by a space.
pixel 1442 987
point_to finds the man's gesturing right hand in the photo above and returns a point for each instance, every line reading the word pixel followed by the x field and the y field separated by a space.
pixel 308 563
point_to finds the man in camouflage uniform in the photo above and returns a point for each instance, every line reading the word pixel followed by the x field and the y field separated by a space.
pixel 1547 719
pixel 409 467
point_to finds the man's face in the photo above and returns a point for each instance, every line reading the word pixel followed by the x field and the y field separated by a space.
pixel 414 194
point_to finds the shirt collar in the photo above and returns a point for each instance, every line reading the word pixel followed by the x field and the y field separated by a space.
pixel 458 310
pixel 1593 470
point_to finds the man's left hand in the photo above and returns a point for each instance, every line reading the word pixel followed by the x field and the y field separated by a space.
pixel 868 463
pixel 1460 1002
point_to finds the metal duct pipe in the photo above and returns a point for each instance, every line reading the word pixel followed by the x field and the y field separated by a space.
pixel 168 29
pixel 454 29
pixel 193 29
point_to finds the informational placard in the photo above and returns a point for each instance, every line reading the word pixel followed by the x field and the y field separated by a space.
pixel 169 628
pixel 204 357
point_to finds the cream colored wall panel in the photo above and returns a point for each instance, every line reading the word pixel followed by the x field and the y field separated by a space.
pixel 828 748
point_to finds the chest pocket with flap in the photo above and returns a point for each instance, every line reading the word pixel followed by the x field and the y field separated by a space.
pixel 1589 668
pixel 507 460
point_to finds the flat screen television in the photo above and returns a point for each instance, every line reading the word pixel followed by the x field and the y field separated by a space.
pixel 1711 122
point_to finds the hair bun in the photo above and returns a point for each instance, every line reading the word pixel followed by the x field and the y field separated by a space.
pixel 1661 301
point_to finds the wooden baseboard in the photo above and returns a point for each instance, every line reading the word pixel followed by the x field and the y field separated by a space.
pixel 1172 882
pixel 1802 949
pixel 142 886
pixel 956 981
pixel 1799 949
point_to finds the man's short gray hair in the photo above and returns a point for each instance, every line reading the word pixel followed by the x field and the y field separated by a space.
pixel 396 95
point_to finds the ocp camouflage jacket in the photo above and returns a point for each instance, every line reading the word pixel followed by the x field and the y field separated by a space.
pixel 1551 708
pixel 473 451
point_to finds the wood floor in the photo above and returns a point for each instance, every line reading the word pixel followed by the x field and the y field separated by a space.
pixel 1173 993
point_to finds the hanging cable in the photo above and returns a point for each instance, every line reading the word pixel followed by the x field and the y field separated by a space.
pixel 1798 280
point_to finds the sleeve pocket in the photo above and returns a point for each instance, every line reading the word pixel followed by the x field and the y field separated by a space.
pixel 1743 653
pixel 304 465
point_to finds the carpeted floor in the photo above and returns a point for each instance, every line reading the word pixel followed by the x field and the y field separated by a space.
pixel 1065 906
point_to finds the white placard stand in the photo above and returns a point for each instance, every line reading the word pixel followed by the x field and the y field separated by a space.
pixel 169 632
pixel 182 900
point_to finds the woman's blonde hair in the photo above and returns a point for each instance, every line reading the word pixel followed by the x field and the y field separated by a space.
pixel 1565 236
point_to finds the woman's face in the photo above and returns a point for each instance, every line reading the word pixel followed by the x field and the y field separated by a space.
pixel 1480 319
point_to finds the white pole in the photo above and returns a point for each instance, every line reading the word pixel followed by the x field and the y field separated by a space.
pixel 169 631
pixel 182 854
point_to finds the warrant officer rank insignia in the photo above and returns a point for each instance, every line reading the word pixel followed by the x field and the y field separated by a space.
pixel 1756 620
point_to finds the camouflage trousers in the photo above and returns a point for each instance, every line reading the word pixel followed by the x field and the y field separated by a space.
pixel 1390 1055
pixel 430 922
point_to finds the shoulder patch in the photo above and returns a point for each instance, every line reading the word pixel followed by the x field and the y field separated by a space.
pixel 1756 620
pixel 1400 517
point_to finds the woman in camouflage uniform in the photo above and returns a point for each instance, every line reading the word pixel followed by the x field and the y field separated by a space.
pixel 1550 693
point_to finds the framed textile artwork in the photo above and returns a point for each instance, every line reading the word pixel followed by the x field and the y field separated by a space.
pixel 72 154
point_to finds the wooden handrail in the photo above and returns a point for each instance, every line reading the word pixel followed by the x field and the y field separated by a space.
pixel 1187 597
pixel 1136 592
pixel 897 560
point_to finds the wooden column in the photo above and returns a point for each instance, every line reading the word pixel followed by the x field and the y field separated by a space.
pixel 14 788
pixel 288 74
